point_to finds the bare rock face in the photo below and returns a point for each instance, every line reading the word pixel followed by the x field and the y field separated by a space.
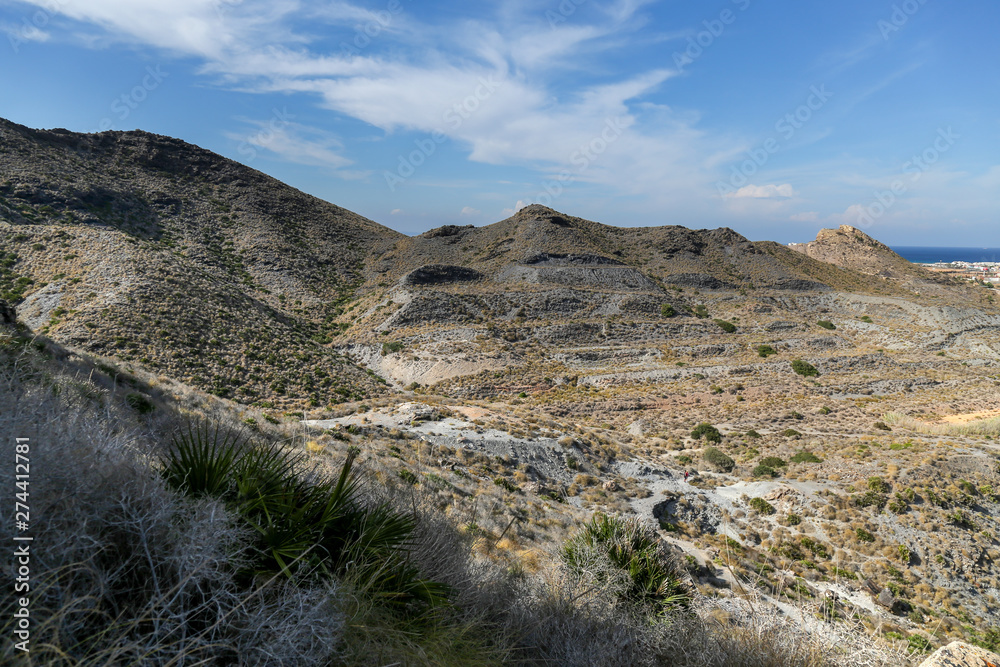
pixel 960 654
pixel 7 313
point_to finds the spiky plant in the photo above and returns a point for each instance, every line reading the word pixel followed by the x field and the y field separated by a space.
pixel 611 548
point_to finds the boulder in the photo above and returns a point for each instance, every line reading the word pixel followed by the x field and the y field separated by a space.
pixel 7 313
pixel 960 654
pixel 885 598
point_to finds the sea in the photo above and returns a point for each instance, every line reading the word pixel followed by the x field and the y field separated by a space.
pixel 933 255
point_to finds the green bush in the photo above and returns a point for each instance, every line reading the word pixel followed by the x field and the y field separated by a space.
pixel 667 310
pixel 762 506
pixel 919 644
pixel 625 554
pixel 870 499
pixel 827 324
pixel 804 456
pixel 719 460
pixel 865 318
pixel 765 351
pixel 728 327
pixel 864 535
pixel 790 433
pixel 302 527
pixel 882 426
pixel 804 368
pixel 878 485
pixel 752 434
pixel 700 311
pixel 706 431
pixel 774 462
pixel 505 484
pixel 391 348
pixel 794 519
pixel 764 471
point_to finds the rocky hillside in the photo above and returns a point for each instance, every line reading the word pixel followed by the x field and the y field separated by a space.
pixel 157 252
pixel 540 245
pixel 850 248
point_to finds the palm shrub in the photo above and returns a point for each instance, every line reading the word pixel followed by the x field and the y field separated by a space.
pixel 626 555
pixel 302 528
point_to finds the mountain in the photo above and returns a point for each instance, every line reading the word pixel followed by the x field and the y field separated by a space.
pixel 158 252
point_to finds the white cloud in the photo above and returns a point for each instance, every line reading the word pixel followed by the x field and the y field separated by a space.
pixel 468 210
pixel 491 88
pixel 293 142
pixel 783 191
pixel 396 211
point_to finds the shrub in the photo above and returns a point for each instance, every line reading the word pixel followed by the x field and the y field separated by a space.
pixel 302 528
pixel 764 471
pixel 882 426
pixel 827 324
pixel 626 555
pixel 794 519
pixel 765 351
pixel 700 311
pixel 719 460
pixel 392 348
pixel 804 368
pixel 706 431
pixel 804 456
pixel 761 506
pixel 753 434
pixel 864 535
pixel 790 433
pixel 870 499
pixel 919 644
pixel 878 485
pixel 904 554
pixel 773 462
pixel 865 318
pixel 667 310
pixel 825 410
pixel 505 484
pixel 728 327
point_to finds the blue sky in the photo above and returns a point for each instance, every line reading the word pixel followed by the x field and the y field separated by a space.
pixel 773 118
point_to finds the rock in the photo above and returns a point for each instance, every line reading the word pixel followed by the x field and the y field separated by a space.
pixel 960 654
pixel 885 598
pixel 610 485
pixel 7 313
pixel 436 274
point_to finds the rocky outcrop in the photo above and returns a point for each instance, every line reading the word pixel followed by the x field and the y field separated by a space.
pixel 960 654
pixel 439 274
